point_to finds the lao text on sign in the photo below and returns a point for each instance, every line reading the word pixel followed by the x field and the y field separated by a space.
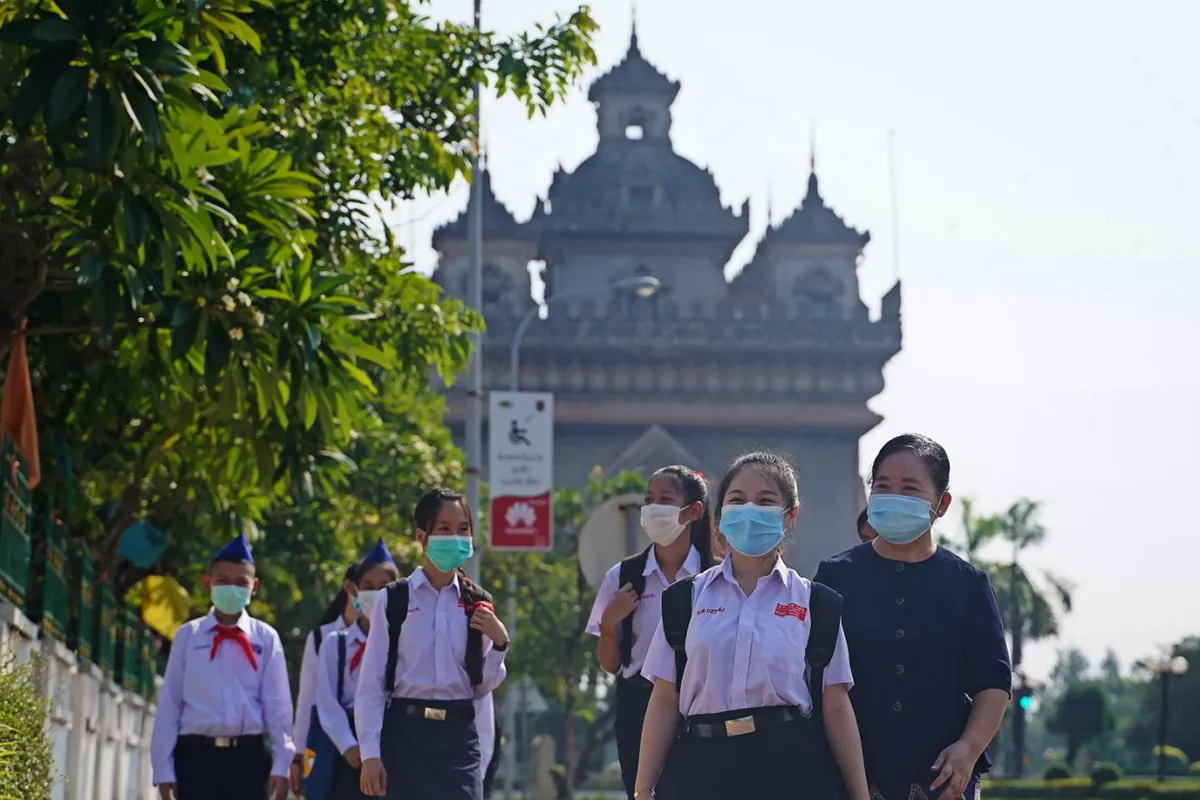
pixel 521 470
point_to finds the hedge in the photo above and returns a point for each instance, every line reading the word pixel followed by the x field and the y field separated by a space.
pixel 26 763
pixel 1083 788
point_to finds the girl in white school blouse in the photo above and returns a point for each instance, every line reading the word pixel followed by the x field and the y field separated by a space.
pixel 434 647
pixel 339 615
pixel 337 679
pixel 743 628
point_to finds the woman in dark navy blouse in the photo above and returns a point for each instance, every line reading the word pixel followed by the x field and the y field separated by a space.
pixel 927 647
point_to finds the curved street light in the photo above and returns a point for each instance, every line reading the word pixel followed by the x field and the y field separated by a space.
pixel 644 286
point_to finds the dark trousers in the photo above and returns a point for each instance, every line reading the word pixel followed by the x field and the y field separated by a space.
pixel 346 782
pixel 632 698
pixel 779 762
pixel 431 759
pixel 204 771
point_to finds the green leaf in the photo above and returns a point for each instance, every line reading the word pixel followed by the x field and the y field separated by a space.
pixel 216 355
pixel 55 29
pixel 19 32
pixel 92 269
pixel 183 314
pixel 145 110
pixel 236 27
pixel 183 337
pixel 102 212
pixel 102 130
pixel 66 98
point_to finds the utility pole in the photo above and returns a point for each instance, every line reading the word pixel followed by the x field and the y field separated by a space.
pixel 474 431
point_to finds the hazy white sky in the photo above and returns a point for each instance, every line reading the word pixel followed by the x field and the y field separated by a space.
pixel 1049 180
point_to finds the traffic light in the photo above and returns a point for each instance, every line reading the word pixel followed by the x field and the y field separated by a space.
pixel 1024 701
pixel 1023 693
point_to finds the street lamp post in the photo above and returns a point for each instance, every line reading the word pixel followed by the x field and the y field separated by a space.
pixel 1166 667
pixel 642 286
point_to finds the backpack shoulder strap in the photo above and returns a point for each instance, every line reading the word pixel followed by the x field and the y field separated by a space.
pixel 825 615
pixel 316 637
pixel 677 615
pixel 473 594
pixel 341 662
pixel 633 572
pixel 397 612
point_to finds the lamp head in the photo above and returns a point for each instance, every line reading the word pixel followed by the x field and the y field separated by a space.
pixel 642 285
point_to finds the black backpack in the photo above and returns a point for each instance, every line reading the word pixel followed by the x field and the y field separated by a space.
pixel 633 572
pixel 825 611
pixel 397 612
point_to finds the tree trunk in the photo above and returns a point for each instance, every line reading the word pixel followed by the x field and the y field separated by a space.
pixel 1072 751
pixel 569 703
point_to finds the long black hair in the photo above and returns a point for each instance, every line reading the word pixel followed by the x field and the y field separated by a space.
pixel 425 517
pixel 695 490
pixel 337 606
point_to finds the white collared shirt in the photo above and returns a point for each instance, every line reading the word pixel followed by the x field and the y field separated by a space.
pixel 649 611
pixel 306 687
pixel 746 652
pixel 430 661
pixel 331 709
pixel 223 695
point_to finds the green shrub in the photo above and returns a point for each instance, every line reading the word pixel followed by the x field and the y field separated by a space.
pixel 1194 768
pixel 1175 761
pixel 25 758
pixel 1056 772
pixel 1105 773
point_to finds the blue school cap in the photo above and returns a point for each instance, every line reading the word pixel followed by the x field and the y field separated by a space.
pixel 237 550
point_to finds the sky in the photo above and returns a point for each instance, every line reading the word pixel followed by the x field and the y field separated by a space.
pixel 1048 180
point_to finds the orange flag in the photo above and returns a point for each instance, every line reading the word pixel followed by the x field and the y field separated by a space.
pixel 16 409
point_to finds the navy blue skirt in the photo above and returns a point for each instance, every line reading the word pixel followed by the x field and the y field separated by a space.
pixel 427 758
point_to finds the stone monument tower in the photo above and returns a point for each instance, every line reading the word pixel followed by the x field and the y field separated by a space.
pixel 785 356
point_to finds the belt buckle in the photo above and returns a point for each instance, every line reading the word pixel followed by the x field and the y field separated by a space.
pixel 438 714
pixel 223 741
pixel 739 726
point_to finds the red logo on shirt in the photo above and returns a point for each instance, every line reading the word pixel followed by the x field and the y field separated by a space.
pixel 702 611
pixel 791 610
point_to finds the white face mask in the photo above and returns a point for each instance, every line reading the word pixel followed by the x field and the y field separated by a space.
pixel 661 523
pixel 366 600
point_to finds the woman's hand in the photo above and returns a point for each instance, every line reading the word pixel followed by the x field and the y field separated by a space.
pixel 353 758
pixel 623 603
pixel 486 622
pixel 373 781
pixel 954 767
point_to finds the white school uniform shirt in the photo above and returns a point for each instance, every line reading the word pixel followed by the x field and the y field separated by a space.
pixel 306 688
pixel 746 652
pixel 485 722
pixel 331 709
pixel 223 695
pixel 649 611
pixel 430 661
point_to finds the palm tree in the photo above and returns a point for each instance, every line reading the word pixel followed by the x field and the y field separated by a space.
pixel 1041 597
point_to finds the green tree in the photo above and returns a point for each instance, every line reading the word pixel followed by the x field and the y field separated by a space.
pixel 1183 697
pixel 1082 714
pixel 1041 597
pixel 220 336
pixel 553 604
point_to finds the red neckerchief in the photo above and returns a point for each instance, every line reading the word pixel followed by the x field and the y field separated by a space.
pixel 234 634
pixel 356 659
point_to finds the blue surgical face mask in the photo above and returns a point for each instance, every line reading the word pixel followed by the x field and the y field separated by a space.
pixel 898 518
pixel 230 599
pixel 448 553
pixel 752 530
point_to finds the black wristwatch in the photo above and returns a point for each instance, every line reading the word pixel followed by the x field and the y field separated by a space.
pixel 501 647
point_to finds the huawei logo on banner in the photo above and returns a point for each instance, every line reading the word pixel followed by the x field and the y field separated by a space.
pixel 520 515
pixel 791 610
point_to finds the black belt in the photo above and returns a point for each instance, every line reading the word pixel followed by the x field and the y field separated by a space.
pixel 221 742
pixel 437 712
pixel 737 723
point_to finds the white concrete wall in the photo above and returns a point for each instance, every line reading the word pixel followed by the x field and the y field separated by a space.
pixel 99 733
